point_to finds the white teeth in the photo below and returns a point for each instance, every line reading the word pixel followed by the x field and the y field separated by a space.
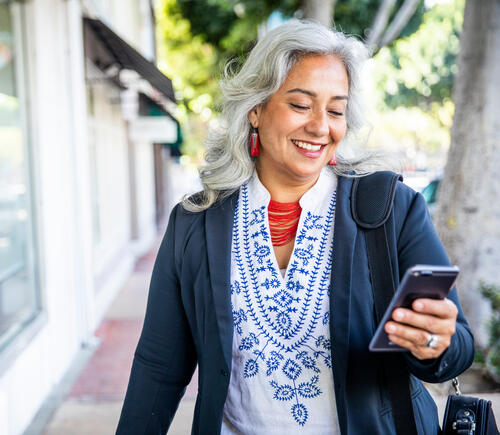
pixel 307 146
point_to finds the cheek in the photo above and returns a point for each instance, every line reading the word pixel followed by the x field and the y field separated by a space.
pixel 281 128
pixel 338 131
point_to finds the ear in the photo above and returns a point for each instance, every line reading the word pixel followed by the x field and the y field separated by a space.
pixel 254 116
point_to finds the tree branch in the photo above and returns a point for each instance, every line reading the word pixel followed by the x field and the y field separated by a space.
pixel 319 10
pixel 399 22
pixel 379 23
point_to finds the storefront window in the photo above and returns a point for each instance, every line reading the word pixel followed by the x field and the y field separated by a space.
pixel 19 301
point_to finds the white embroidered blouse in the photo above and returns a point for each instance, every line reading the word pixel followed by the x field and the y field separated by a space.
pixel 281 377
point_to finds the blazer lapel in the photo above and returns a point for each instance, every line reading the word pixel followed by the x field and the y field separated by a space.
pixel 218 231
pixel 344 236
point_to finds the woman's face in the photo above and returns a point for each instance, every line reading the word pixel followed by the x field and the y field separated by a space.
pixel 302 124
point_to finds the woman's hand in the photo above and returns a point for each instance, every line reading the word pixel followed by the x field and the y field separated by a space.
pixel 412 329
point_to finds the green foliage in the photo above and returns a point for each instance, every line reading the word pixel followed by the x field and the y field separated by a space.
pixel 197 37
pixel 479 357
pixel 492 293
pixel 413 82
pixel 216 20
pixel 193 65
pixel 420 69
pixel 189 59
pixel 212 19
pixel 356 16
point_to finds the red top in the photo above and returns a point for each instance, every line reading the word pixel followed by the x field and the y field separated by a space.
pixel 283 221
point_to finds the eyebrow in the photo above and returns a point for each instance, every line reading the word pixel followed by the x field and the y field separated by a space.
pixel 313 94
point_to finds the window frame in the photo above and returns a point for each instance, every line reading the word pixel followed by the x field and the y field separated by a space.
pixel 30 327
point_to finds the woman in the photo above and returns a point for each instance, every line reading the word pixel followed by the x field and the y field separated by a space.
pixel 263 281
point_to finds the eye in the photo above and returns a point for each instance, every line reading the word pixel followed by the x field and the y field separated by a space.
pixel 298 106
pixel 334 112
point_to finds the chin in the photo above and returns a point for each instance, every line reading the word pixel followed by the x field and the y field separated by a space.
pixel 307 170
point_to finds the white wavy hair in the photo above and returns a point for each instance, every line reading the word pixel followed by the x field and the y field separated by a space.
pixel 228 161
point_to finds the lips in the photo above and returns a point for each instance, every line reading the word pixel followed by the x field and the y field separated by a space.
pixel 307 145
pixel 308 149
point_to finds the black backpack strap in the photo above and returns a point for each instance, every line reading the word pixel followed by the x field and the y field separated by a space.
pixel 372 197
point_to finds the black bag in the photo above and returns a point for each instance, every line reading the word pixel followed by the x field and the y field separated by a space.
pixel 371 204
pixel 465 415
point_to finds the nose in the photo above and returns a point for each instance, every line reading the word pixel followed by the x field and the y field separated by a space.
pixel 317 124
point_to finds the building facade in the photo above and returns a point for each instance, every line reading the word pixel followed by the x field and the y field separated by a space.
pixel 83 114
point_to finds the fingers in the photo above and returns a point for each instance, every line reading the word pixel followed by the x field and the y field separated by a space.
pixel 443 308
pixel 421 352
pixel 415 336
pixel 411 328
pixel 427 322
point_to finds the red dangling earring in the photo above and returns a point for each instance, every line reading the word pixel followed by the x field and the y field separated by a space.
pixel 254 142
pixel 333 160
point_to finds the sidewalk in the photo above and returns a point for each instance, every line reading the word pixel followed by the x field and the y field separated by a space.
pixel 94 402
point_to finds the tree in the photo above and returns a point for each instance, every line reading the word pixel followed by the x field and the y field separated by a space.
pixel 204 34
pixel 468 212
pixel 319 10
pixel 419 70
pixel 381 33
pixel 215 19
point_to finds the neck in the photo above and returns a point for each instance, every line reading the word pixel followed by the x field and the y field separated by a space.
pixel 283 188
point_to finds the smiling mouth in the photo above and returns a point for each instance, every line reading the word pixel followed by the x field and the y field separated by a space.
pixel 307 145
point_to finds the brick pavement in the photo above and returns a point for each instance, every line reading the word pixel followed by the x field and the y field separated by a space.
pixel 106 375
pixel 93 404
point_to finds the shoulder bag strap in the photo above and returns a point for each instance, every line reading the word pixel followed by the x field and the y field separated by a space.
pixel 372 197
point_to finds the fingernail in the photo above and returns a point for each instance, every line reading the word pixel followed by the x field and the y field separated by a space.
pixel 419 305
pixel 391 328
pixel 399 315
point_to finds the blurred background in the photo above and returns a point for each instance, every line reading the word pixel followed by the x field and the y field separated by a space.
pixel 104 107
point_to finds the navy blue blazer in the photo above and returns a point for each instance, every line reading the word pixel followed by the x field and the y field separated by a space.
pixel 189 321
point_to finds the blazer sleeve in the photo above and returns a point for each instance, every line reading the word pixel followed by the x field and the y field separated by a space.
pixel 418 243
pixel 165 357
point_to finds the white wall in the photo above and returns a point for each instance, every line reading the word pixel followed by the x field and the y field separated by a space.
pixel 113 256
pixel 42 363
pixel 80 273
pixel 143 156
pixel 131 19
pixel 108 139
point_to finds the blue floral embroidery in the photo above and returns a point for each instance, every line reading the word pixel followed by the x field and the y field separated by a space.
pixel 286 392
pixel 239 317
pixel 304 254
pixel 273 283
pixel 261 252
pixel 262 232
pixel 235 288
pixel 326 316
pixel 291 369
pixel 251 368
pixel 310 222
pixel 280 316
pixel 248 342
pixel 273 362
pixel 300 414
pixel 283 298
pixel 258 216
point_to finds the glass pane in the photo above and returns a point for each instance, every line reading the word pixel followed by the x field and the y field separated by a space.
pixel 18 301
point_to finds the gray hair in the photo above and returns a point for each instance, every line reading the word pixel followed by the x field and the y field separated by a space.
pixel 228 162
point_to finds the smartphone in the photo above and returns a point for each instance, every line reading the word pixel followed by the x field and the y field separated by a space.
pixel 420 281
